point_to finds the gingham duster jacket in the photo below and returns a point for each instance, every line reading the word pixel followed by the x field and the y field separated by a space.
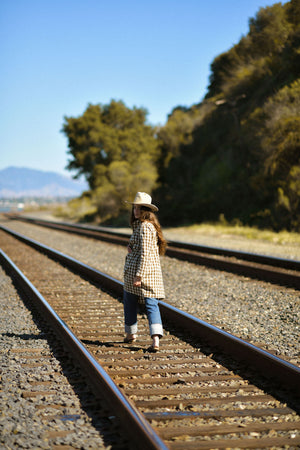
pixel 144 262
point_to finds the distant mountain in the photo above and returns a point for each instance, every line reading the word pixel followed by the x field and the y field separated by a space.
pixel 16 182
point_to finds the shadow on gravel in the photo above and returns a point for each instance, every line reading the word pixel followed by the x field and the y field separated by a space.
pixel 25 337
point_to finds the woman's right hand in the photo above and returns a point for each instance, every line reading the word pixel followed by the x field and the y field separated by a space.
pixel 137 282
pixel 129 249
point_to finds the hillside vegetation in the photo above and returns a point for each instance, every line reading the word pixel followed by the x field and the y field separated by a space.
pixel 234 155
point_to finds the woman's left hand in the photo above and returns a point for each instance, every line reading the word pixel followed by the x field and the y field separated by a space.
pixel 137 281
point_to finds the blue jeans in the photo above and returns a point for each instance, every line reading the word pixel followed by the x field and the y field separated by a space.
pixel 130 313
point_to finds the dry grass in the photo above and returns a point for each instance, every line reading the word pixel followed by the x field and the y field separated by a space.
pixel 221 230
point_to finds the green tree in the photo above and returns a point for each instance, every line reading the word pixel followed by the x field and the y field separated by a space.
pixel 116 150
pixel 276 127
pixel 257 58
pixel 237 152
pixel 269 30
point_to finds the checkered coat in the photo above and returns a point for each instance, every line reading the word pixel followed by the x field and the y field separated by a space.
pixel 144 262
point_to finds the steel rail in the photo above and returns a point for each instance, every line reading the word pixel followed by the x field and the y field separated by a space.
pixel 265 363
pixel 142 433
pixel 238 254
pixel 262 267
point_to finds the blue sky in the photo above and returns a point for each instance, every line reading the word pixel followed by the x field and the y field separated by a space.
pixel 59 55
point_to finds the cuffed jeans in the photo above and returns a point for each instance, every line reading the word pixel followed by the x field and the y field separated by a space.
pixel 130 313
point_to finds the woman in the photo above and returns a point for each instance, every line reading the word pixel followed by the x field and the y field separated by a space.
pixel 142 271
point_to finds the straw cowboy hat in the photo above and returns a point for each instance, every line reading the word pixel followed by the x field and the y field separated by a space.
pixel 143 199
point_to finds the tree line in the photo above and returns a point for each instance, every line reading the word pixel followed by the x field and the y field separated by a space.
pixel 236 154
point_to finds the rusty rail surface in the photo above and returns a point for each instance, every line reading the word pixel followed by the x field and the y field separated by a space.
pixel 268 268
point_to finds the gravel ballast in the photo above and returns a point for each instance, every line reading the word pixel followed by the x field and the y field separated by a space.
pixel 40 408
pixel 262 313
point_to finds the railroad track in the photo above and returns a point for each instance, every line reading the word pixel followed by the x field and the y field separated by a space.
pixel 197 392
pixel 275 270
pixel 40 379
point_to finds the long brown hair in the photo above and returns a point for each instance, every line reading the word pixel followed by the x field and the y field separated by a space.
pixel 147 215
